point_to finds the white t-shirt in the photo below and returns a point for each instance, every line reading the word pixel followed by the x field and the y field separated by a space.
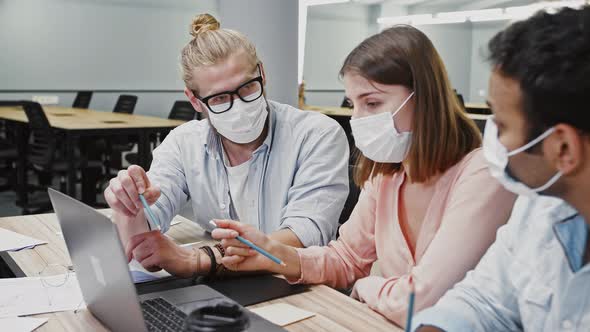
pixel 238 177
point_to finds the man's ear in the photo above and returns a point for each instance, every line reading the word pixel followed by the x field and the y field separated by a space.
pixel 567 146
pixel 193 100
pixel 263 73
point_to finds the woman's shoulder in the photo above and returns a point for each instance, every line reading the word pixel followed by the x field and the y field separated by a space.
pixel 472 165
pixel 472 162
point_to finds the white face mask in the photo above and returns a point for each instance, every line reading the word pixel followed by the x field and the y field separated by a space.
pixel 497 156
pixel 243 123
pixel 377 138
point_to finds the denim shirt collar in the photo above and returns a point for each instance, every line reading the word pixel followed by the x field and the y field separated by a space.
pixel 571 231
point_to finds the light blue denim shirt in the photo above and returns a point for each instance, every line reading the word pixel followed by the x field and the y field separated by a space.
pixel 297 179
pixel 531 278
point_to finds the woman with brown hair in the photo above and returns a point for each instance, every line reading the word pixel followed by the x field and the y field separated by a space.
pixel 429 208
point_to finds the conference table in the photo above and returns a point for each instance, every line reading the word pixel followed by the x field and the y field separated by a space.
pixel 333 310
pixel 478 108
pixel 471 108
pixel 76 123
pixel 479 113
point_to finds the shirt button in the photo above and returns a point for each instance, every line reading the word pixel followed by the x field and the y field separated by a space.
pixel 222 206
pixel 566 324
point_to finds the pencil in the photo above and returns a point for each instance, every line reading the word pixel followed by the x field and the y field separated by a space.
pixel 257 248
pixel 149 212
pixel 410 306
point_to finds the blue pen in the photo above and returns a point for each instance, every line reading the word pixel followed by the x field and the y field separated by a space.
pixel 257 248
pixel 410 306
pixel 149 211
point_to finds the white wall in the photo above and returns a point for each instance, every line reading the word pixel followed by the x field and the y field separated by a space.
pixel 272 27
pixel 332 32
pixel 92 44
pixel 475 65
pixel 133 45
pixel 453 43
pixel 480 68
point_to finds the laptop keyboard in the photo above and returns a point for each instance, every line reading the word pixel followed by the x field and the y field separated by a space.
pixel 161 315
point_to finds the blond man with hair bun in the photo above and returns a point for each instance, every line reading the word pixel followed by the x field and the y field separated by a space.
pixel 266 164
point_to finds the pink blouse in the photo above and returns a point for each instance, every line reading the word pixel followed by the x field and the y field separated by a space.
pixel 467 208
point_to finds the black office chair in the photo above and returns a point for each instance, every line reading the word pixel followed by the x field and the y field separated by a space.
pixel 346 103
pixel 82 99
pixel 353 197
pixel 44 156
pixel 6 103
pixel 481 125
pixel 8 150
pixel 8 158
pixel 125 104
pixel 181 110
pixel 460 99
pixel 112 149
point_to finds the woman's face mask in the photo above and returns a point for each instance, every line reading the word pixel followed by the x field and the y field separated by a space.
pixel 378 139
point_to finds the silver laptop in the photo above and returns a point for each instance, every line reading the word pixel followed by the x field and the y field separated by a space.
pixel 105 281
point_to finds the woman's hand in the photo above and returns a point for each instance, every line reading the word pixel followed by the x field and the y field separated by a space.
pixel 240 257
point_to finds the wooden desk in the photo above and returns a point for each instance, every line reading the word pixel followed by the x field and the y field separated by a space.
pixel 330 111
pixel 68 118
pixel 477 105
pixel 478 108
pixel 76 123
pixel 479 117
pixel 334 311
pixel 341 111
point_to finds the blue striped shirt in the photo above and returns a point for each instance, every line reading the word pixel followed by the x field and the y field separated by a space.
pixel 297 179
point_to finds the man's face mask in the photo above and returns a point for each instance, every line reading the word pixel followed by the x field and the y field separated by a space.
pixel 497 157
pixel 242 119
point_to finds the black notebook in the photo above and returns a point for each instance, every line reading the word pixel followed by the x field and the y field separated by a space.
pixel 246 290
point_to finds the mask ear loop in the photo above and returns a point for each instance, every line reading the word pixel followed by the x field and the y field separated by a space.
pixel 532 143
pixel 402 105
pixel 549 183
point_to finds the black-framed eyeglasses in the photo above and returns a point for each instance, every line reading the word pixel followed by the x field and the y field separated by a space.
pixel 223 101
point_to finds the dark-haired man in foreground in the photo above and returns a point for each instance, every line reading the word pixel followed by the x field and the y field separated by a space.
pixel 536 276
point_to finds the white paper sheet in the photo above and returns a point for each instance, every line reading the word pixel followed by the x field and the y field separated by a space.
pixel 11 241
pixel 139 274
pixel 28 296
pixel 21 324
pixel 282 314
